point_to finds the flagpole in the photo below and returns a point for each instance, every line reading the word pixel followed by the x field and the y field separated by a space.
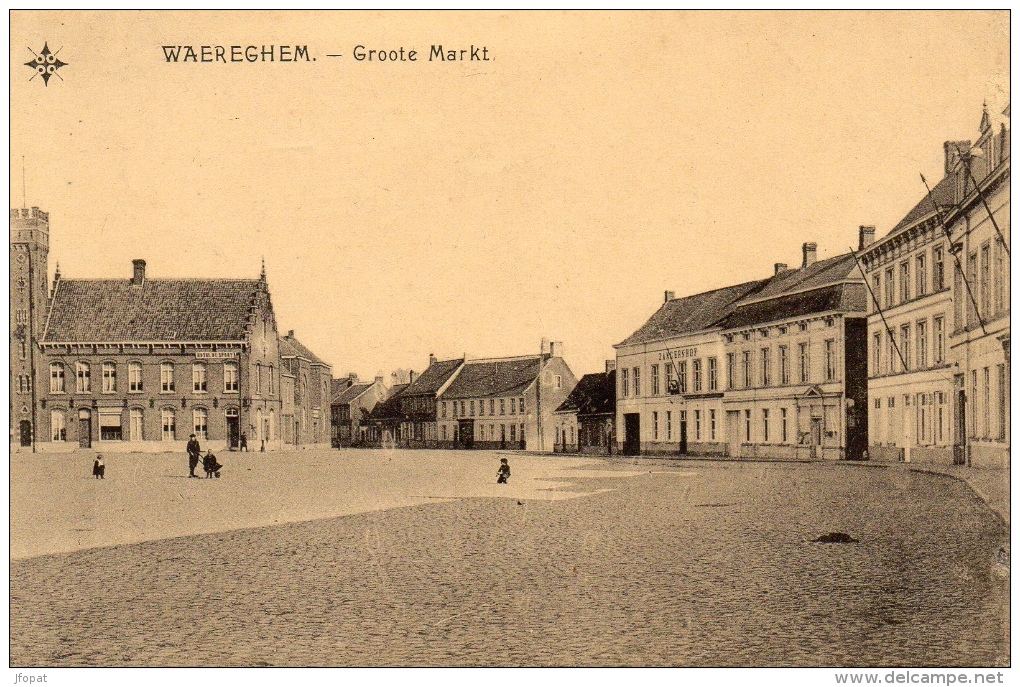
pixel 874 298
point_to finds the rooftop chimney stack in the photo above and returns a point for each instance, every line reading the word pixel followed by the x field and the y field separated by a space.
pixel 290 334
pixel 780 267
pixel 432 359
pixel 556 349
pixel 610 366
pixel 670 295
pixel 378 379
pixel 867 236
pixel 810 254
pixel 139 272
pixel 411 376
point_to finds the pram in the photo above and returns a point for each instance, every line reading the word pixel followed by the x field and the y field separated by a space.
pixel 211 465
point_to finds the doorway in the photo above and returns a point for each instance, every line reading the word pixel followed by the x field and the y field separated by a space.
pixel 467 434
pixel 960 440
pixel 26 432
pixel 733 442
pixel 233 429
pixel 84 429
pixel 632 434
pixel 683 437
pixel 816 437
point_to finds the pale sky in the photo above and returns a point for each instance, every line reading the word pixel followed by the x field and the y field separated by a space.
pixel 555 191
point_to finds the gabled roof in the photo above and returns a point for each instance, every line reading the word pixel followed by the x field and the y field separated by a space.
pixel 350 393
pixel 432 379
pixel 290 347
pixel 837 297
pixel 816 275
pixel 390 408
pixel 595 393
pixel 691 313
pixel 495 377
pixel 944 194
pixel 115 310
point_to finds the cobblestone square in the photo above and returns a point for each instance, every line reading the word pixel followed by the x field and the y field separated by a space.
pixel 371 558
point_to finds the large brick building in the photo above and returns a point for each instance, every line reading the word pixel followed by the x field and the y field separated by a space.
pixel 310 422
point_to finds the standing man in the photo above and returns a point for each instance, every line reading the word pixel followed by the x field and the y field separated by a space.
pixel 193 454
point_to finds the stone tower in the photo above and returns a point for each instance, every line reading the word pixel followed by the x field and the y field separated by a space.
pixel 30 244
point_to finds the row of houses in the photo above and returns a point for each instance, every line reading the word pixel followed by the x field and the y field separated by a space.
pixel 898 351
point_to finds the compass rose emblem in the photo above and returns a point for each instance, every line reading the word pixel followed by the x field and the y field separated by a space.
pixel 45 64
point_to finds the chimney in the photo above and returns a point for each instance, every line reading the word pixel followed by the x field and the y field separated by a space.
pixel 670 295
pixel 810 254
pixel 545 346
pixel 139 272
pixel 556 349
pixel 432 359
pixel 952 150
pixel 378 379
pixel 610 366
pixel 352 377
pixel 867 236
pixel 290 334
pixel 411 376
pixel 780 267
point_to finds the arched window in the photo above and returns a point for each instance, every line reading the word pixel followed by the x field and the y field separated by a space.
pixel 166 377
pixel 135 377
pixel 56 378
pixel 58 429
pixel 169 424
pixel 259 436
pixel 109 378
pixel 198 378
pixel 258 378
pixel 229 377
pixel 201 417
pixel 83 378
pixel 271 385
pixel 272 425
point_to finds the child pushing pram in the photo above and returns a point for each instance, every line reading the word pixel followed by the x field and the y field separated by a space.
pixel 211 466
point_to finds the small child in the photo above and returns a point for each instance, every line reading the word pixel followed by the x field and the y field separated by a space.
pixel 504 471
pixel 99 468
pixel 210 465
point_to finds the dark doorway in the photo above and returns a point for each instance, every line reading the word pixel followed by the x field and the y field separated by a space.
pixel 467 433
pixel 683 437
pixel 960 441
pixel 85 431
pixel 233 430
pixel 632 434
pixel 26 433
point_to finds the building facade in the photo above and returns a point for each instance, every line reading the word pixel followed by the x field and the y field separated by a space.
pixel 419 406
pixel 29 255
pixel 587 418
pixel 312 392
pixel 139 364
pixel 352 404
pixel 383 423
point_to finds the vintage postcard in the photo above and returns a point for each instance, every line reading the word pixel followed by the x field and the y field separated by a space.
pixel 510 339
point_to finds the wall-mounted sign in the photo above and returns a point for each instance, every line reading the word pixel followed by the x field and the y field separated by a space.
pixel 215 354
pixel 678 353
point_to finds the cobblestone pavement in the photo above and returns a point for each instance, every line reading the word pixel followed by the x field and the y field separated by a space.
pixel 699 564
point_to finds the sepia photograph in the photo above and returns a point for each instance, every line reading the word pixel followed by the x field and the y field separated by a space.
pixel 505 339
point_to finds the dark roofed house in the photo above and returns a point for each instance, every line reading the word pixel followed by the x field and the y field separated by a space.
pixel 383 422
pixel 418 404
pixel 352 403
pixel 311 423
pixel 591 410
pixel 139 364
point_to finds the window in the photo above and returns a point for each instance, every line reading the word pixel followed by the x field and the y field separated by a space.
pixel 22 316
pixel 958 298
pixel 730 366
pixel 455 408
pixel 696 373
pixel 973 404
pixel 766 365
pixel 802 326
pixel 463 409
pixel 671 385
pixel 442 410
pixel 747 368
pixel 135 426
pixel 1000 378
pixel 938 269
pixel 56 378
pixel 782 423
pixel 513 432
pixel 135 377
pixel 625 382
pixel 904 282
pixel 805 363
pixel 923 433
pixel 83 378
pixel 711 424
pixel 166 377
pixel 655 380
pixel 109 427
pixel 655 425
pixel 1000 278
pixel 502 406
pixel 922 344
pixel 939 351
pixel 713 374
pixel 109 378
pixel 58 430
pixel 481 408
pixel 697 425
pixel 972 317
pixel 492 406
pixel 520 405
pixel 986 404
pixel 682 376
pixel 198 377
pixel 891 354
pixel 559 381
pixel 472 405
pixel 889 288
pixel 201 429
pixel 985 287
pixel 921 276
pixel 747 426
pixel 169 425
pixel 876 290
pixel 905 346
pixel 300 380
pixel 940 416
pixel 229 377
pixel 637 381
pixel 784 365
pixel 830 360
pixel 765 423
pixel 23 349
pixel 876 354
pixel 272 384
pixel 669 425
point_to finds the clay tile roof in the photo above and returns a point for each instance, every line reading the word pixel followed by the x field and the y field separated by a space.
pixel 837 297
pixel 503 377
pixel 433 378
pixel 292 348
pixel 595 393
pixel 390 408
pixel 816 275
pixel 350 393
pixel 114 310
pixel 944 194
pixel 691 313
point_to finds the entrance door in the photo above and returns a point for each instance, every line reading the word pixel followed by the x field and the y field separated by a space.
pixel 733 433
pixel 683 437
pixel 233 430
pixel 26 432
pixel 467 433
pixel 816 437
pixel 85 430
pixel 960 440
pixel 632 434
